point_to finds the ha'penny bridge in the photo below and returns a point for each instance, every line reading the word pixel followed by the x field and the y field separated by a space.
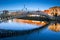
pixel 38 16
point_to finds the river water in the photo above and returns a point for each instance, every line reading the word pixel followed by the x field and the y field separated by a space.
pixel 49 32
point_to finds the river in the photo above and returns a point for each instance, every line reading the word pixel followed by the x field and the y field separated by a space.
pixel 48 32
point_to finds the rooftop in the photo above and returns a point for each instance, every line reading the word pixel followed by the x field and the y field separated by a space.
pixel 55 7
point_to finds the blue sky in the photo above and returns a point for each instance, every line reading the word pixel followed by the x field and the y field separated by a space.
pixel 30 4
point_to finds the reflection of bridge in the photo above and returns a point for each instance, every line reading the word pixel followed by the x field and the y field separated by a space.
pixel 10 33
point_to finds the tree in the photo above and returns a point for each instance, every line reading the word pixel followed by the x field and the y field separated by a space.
pixel 5 11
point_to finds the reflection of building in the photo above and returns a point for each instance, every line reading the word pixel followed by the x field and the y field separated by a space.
pixel 53 11
pixel 55 27
pixel 30 22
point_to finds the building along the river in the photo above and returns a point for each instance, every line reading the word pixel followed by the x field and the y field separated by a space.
pixel 53 11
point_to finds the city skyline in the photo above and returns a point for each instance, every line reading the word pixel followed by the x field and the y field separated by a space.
pixel 29 4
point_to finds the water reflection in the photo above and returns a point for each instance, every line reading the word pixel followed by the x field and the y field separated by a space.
pixel 54 27
pixel 21 24
pixel 41 34
pixel 33 22
pixel 16 27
